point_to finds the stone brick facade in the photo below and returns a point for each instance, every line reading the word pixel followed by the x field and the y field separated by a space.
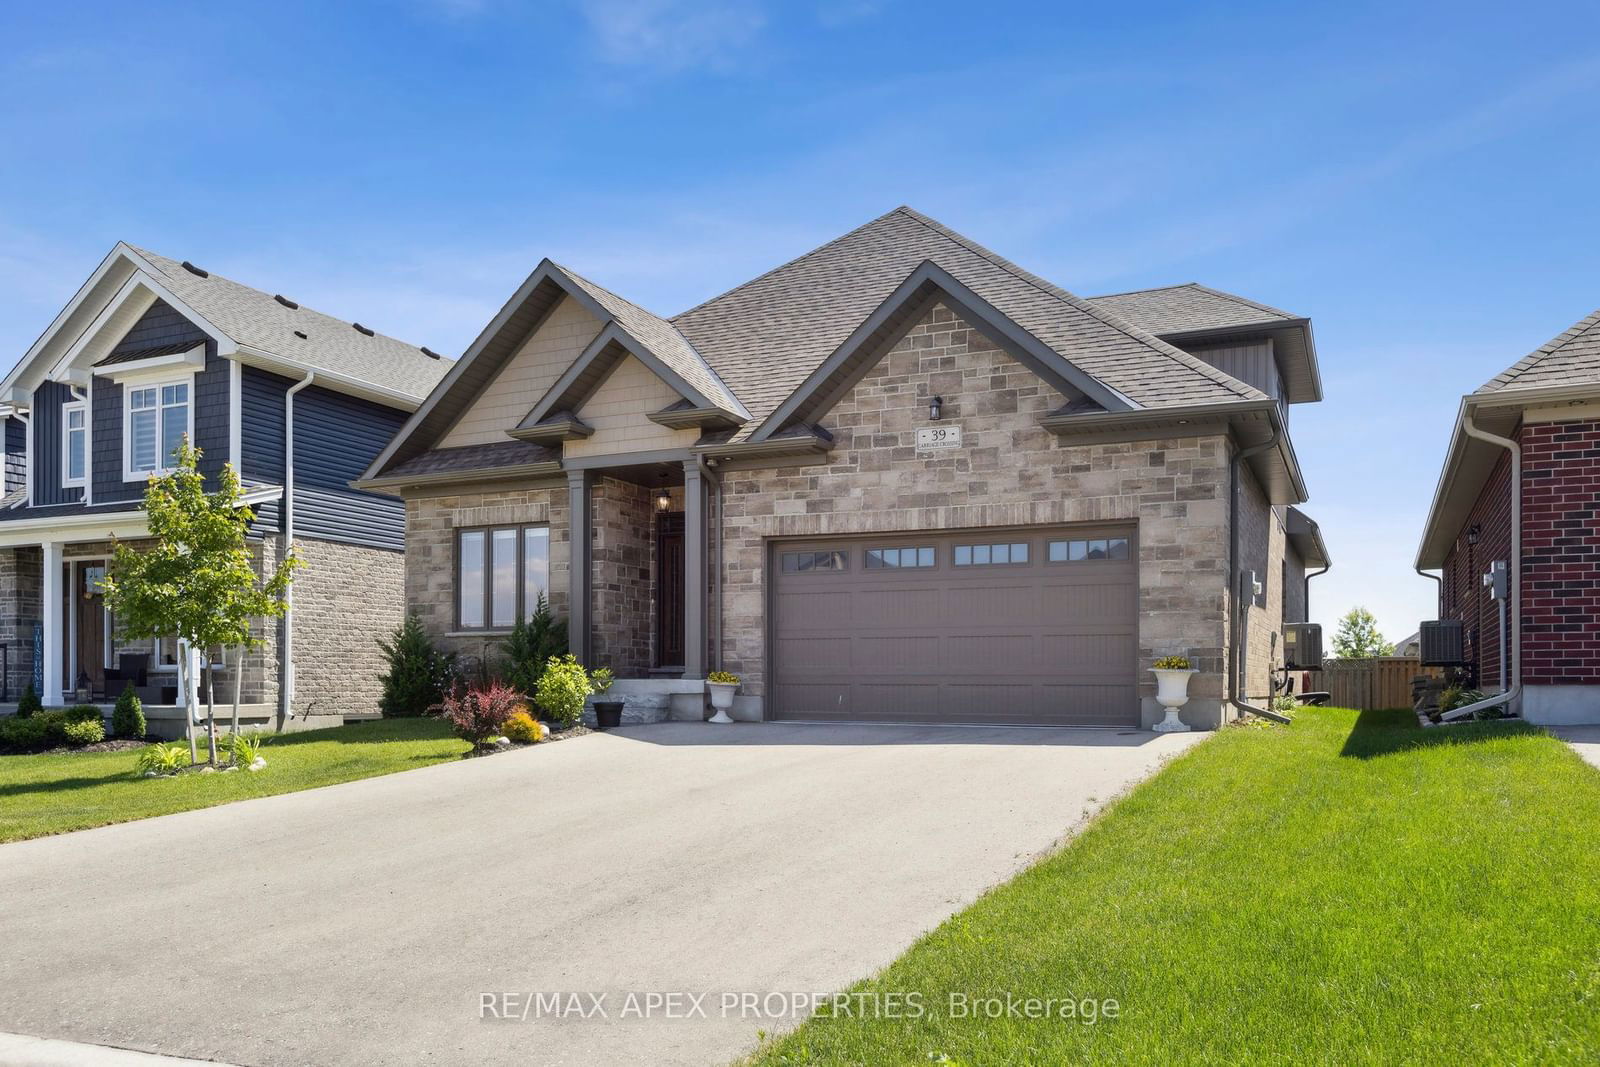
pixel 622 586
pixel 1010 472
pixel 1262 543
pixel 345 598
pixel 21 582
pixel 430 558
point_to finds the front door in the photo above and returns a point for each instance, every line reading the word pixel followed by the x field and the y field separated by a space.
pixel 669 589
pixel 90 631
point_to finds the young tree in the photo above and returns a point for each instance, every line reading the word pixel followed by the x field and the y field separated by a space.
pixel 196 581
pixel 1358 636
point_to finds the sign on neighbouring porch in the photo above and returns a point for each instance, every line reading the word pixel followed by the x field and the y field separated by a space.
pixel 938 438
pixel 38 658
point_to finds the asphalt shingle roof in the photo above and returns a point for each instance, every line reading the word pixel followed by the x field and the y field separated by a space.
pixel 476 457
pixel 1175 309
pixel 252 317
pixel 766 336
pixel 1572 358
pixel 663 339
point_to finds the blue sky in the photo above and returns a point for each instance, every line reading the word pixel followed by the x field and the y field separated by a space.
pixel 1419 179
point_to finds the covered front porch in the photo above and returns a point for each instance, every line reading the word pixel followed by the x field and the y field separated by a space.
pixel 58 634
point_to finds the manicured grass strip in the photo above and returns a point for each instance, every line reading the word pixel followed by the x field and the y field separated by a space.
pixel 1348 889
pixel 42 795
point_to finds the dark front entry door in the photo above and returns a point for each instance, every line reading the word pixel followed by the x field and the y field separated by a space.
pixel 669 590
pixel 91 635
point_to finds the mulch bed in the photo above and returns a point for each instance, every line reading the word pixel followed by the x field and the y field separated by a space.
pixel 116 744
pixel 569 732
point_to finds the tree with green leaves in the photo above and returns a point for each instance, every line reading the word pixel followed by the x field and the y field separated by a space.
pixel 1358 636
pixel 196 581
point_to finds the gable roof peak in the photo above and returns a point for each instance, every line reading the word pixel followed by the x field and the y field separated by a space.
pixel 1572 357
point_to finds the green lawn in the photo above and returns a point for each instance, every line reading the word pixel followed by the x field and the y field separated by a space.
pixel 50 794
pixel 1350 888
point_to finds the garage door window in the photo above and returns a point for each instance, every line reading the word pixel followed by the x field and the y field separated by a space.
pixel 1089 548
pixel 883 558
pixel 983 555
pixel 802 562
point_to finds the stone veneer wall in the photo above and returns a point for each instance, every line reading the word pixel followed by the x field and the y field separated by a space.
pixel 346 597
pixel 1261 547
pixel 21 584
pixel 622 587
pixel 431 522
pixel 1009 472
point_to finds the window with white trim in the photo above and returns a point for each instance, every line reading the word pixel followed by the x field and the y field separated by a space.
pixel 501 572
pixel 155 419
pixel 74 444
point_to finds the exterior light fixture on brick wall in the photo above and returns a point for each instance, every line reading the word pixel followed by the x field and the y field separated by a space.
pixel 936 408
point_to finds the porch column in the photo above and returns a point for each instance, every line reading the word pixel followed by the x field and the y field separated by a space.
pixel 694 570
pixel 578 519
pixel 54 628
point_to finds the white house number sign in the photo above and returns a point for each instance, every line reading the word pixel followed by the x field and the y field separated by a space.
pixel 938 438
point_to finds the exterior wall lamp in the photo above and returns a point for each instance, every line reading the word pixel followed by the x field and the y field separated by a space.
pixel 936 408
pixel 663 501
pixel 1472 533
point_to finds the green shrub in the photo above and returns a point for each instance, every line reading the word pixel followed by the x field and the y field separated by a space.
pixel 24 734
pixel 29 702
pixel 85 732
pixel 601 680
pixel 128 718
pixel 245 748
pixel 162 759
pixel 562 689
pixel 530 645
pixel 419 674
pixel 83 713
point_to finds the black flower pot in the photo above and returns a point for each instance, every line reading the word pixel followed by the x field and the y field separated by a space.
pixel 607 714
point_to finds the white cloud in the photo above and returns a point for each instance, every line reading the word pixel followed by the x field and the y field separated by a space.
pixel 670 36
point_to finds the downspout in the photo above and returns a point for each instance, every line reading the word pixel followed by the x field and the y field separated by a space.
pixel 1235 659
pixel 1306 583
pixel 716 567
pixel 1513 575
pixel 286 648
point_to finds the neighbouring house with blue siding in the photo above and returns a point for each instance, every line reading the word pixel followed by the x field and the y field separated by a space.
pixel 149 351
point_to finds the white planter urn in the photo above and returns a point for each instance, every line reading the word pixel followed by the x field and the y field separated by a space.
pixel 1172 693
pixel 721 700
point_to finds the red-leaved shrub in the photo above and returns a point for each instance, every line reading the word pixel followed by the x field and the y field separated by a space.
pixel 480 712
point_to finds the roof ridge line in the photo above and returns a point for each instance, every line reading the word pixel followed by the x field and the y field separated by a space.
pixel 1150 289
pixel 612 292
pixel 790 262
pixel 1116 322
pixel 1507 377
pixel 1245 300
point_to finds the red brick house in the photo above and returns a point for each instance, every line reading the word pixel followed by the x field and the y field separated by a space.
pixel 1522 482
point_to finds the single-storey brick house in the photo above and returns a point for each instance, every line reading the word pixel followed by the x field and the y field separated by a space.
pixel 150 350
pixel 1537 425
pixel 896 479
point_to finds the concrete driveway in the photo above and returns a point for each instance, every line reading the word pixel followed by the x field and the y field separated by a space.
pixel 365 923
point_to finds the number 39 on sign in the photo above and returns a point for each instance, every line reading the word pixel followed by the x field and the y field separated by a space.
pixel 938 438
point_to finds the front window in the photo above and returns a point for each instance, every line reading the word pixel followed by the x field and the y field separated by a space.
pixel 157 420
pixel 74 444
pixel 501 573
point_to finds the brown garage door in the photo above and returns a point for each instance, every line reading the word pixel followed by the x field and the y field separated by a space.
pixel 1035 626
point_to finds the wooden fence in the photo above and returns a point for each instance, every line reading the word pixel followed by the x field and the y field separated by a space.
pixel 1366 683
